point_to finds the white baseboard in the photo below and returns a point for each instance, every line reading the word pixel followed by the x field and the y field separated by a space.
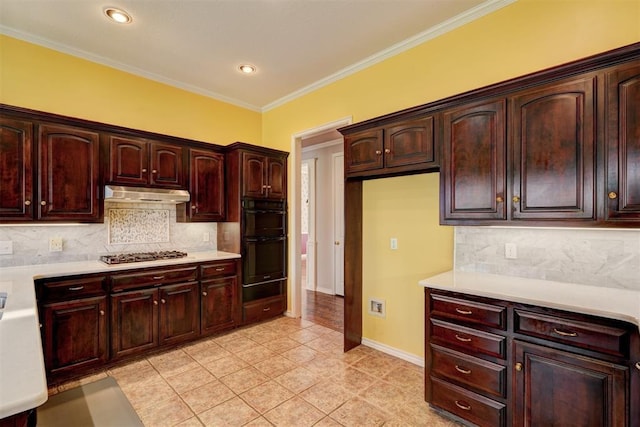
pixel 400 354
pixel 324 290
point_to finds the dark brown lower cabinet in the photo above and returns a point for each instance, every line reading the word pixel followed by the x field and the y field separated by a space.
pixel 218 304
pixel 555 387
pixel 74 334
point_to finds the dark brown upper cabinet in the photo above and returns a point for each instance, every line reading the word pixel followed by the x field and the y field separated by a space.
pixel 473 178
pixel 397 147
pixel 552 130
pixel 206 186
pixel 134 161
pixel 68 172
pixel 264 177
pixel 622 140
pixel 16 170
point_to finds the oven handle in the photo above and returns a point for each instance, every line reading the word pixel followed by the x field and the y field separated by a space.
pixel 264 211
pixel 265 238
pixel 250 285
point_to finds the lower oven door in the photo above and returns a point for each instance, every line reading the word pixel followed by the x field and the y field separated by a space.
pixel 264 259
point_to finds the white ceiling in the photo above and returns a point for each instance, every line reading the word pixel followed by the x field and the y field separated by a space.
pixel 197 45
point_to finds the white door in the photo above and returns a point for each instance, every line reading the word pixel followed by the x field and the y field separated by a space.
pixel 310 201
pixel 338 222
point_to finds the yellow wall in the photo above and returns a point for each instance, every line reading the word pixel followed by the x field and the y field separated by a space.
pixel 42 79
pixel 524 37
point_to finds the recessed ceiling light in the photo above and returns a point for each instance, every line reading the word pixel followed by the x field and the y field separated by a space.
pixel 118 15
pixel 247 69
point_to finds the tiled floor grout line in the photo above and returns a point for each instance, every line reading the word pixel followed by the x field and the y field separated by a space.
pixel 330 389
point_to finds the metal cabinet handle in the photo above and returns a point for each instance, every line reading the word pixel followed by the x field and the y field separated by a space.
pixel 463 405
pixel 144 170
pixel 76 288
pixel 27 202
pixel 43 203
pixel 565 333
pixel 612 195
pixel 638 365
pixel 378 152
pixel 220 269
pixel 499 199
pixel 463 370
pixel 463 339
pixel 164 301
pixel 155 302
pixel 516 199
pixel 387 151
pixel 158 277
pixel 101 312
pixel 204 293
pixel 154 171
pixel 462 311
pixel 518 366
pixel 194 207
pixel 266 309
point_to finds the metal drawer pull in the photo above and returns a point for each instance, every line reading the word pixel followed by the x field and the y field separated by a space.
pixel 463 370
pixel 158 277
pixel 463 339
pixel 564 333
pixel 76 288
pixel 220 269
pixel 266 309
pixel 465 312
pixel 463 405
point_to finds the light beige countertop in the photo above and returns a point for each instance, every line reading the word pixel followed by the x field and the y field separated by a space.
pixel 612 303
pixel 23 383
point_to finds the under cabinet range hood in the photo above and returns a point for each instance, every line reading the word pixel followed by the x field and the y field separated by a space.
pixel 119 193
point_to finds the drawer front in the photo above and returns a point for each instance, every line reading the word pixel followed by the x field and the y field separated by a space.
pixel 263 309
pixel 467 370
pixel 72 289
pixel 218 269
pixel 141 279
pixel 468 340
pixel 591 336
pixel 468 405
pixel 493 316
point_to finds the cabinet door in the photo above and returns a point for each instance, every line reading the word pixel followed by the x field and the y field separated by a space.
pixel 179 309
pixel 74 334
pixel 166 165
pixel 554 387
pixel 128 161
pixel 552 135
pixel 409 143
pixel 276 178
pixel 16 169
pixel 253 175
pixel 363 151
pixel 622 118
pixel 134 322
pixel 69 173
pixel 218 304
pixel 206 186
pixel 474 163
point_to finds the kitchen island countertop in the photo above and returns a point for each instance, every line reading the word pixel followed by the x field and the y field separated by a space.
pixel 612 303
pixel 23 383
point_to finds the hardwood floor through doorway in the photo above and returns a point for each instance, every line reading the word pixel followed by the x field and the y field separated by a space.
pixel 323 309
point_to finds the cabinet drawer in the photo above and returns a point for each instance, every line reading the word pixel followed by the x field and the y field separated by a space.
pixel 140 279
pixel 470 371
pixel 468 405
pixel 218 269
pixel 263 309
pixel 591 336
pixel 72 289
pixel 468 340
pixel 463 310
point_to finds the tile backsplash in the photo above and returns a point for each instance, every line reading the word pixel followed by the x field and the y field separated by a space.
pixel 598 257
pixel 127 227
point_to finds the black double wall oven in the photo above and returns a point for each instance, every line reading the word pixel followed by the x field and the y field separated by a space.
pixel 264 248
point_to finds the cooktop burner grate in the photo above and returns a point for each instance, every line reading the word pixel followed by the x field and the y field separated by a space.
pixel 141 256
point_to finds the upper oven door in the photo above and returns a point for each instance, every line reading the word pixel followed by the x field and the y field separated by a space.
pixel 263 219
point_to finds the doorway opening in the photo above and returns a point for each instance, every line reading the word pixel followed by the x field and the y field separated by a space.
pixel 317 225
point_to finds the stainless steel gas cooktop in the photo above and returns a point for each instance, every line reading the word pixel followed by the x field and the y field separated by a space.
pixel 141 256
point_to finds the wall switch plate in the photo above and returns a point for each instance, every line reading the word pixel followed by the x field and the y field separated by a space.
pixel 205 236
pixel 6 247
pixel 55 244
pixel 510 251
pixel 394 243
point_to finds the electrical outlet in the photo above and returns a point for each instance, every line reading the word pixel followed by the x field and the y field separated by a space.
pixel 510 251
pixel 377 307
pixel 6 247
pixel 394 243
pixel 205 236
pixel 55 244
